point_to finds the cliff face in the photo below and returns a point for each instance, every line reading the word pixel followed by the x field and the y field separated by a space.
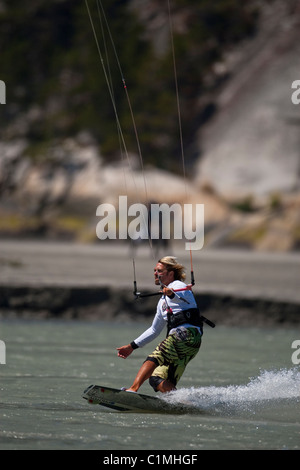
pixel 252 147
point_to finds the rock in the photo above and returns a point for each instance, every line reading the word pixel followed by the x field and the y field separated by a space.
pixel 252 147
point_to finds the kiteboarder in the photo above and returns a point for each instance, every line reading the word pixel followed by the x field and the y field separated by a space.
pixel 178 310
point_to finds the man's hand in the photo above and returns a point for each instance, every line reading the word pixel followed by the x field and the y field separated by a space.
pixel 168 292
pixel 124 351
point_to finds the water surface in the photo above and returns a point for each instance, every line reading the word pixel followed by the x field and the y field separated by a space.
pixel 243 382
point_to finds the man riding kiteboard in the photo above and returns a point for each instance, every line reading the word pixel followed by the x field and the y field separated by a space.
pixel 178 309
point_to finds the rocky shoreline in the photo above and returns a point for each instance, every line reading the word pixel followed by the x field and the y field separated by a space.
pixel 108 304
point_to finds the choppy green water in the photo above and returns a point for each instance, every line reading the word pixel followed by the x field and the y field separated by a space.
pixel 243 381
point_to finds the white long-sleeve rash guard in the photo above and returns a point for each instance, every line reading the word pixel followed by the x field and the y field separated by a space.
pixel 176 304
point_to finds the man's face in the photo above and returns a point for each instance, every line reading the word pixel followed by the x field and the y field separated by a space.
pixel 161 274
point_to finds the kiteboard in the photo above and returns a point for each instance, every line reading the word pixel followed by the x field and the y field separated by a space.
pixel 123 401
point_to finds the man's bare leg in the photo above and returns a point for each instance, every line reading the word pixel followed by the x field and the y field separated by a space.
pixel 143 374
pixel 166 386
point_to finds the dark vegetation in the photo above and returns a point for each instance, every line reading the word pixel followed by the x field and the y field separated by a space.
pixel 56 86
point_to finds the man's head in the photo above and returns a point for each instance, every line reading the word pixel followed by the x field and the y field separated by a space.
pixel 168 270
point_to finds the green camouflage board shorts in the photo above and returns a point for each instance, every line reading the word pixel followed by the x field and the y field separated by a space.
pixel 174 353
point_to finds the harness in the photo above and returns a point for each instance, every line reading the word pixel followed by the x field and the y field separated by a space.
pixel 191 316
